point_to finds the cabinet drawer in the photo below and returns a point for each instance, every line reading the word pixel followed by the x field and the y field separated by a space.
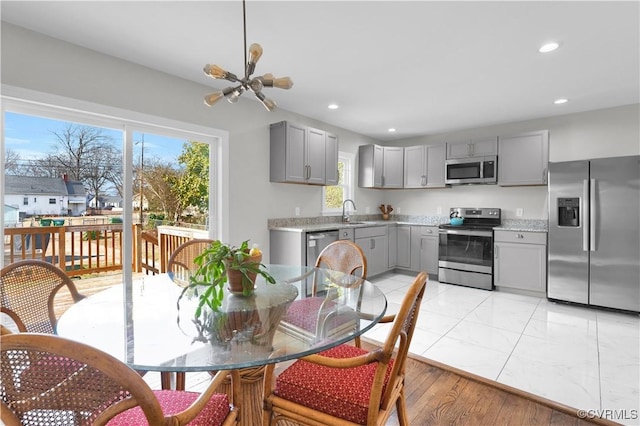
pixel 345 234
pixel 521 237
pixel 374 231
pixel 427 231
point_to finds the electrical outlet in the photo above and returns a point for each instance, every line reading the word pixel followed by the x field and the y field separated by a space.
pixel 297 211
pixel 367 210
pixel 519 212
pixel 438 210
pixel 399 210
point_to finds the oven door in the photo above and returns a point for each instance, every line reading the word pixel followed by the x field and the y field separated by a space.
pixel 466 250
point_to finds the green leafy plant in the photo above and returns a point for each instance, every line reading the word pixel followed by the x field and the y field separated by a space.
pixel 214 262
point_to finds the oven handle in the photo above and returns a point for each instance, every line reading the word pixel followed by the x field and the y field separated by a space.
pixel 466 232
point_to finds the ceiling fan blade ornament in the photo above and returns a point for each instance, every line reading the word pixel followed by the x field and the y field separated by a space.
pixel 247 83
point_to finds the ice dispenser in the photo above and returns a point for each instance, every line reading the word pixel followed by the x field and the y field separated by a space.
pixel 569 212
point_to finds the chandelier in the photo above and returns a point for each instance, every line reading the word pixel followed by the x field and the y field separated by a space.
pixel 254 84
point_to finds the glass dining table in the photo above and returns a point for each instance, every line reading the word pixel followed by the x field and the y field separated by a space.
pixel 307 310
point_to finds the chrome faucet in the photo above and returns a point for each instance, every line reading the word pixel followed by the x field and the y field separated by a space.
pixel 345 216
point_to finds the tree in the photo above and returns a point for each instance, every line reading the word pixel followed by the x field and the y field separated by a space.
pixel 157 188
pixel 86 154
pixel 11 162
pixel 192 187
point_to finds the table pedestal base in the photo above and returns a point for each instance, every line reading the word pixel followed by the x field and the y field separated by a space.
pixel 251 386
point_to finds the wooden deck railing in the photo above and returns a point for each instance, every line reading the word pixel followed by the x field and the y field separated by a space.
pixel 88 249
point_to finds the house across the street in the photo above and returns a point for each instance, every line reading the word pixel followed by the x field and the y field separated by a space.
pixel 40 196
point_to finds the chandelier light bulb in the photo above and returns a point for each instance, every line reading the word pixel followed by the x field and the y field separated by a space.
pixel 255 53
pixel 283 83
pixel 213 98
pixel 269 104
pixel 217 72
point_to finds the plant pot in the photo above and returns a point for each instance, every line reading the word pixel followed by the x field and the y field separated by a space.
pixel 385 216
pixel 237 282
pixel 58 222
pixel 45 222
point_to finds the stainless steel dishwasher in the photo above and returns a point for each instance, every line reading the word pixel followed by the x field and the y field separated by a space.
pixel 316 242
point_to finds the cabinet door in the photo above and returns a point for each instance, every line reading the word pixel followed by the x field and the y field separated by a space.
pixel 378 259
pixel 403 247
pixel 378 165
pixel 520 266
pixel 482 147
pixel 415 166
pixel 295 158
pixel 458 149
pixel 392 246
pixel 435 166
pixel 315 156
pixel 523 159
pixel 331 159
pixel 392 173
pixel 429 254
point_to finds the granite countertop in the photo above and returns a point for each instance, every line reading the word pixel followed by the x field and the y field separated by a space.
pixel 524 225
pixel 328 223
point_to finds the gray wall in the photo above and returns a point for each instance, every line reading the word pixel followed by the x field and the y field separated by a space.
pixel 36 62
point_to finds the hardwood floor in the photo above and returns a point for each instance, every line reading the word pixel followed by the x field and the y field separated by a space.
pixel 438 394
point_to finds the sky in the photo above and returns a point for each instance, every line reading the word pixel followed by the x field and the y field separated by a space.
pixel 32 137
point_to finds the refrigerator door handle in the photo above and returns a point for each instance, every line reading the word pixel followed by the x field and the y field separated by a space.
pixel 585 209
pixel 592 215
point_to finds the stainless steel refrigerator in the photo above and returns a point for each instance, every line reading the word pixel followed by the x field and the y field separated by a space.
pixel 594 232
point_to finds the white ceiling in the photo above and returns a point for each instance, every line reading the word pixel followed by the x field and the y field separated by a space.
pixel 421 67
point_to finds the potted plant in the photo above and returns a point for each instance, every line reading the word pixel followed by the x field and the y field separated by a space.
pixel 221 263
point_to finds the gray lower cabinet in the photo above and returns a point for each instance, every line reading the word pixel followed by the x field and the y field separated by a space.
pixel 403 246
pixel 373 242
pixel 523 159
pixel 392 242
pixel 520 260
pixel 424 249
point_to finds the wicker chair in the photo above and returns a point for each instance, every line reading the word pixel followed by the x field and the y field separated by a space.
pixel 347 385
pixel 343 256
pixel 179 268
pixel 181 261
pixel 28 289
pixel 93 388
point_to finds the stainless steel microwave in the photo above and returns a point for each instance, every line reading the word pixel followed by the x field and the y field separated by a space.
pixel 462 171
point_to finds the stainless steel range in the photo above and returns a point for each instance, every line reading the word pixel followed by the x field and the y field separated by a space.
pixel 466 251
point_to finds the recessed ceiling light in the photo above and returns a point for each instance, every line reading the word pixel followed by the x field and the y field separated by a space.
pixel 391 130
pixel 549 47
pixel 561 101
pixel 333 106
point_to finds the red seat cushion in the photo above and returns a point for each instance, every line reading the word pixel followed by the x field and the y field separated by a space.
pixel 340 392
pixel 298 314
pixel 173 402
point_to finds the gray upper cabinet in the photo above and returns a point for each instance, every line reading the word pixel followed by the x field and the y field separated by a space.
pixel 424 166
pixel 380 166
pixel 472 148
pixel 415 166
pixel 298 154
pixel 523 159
pixel 331 161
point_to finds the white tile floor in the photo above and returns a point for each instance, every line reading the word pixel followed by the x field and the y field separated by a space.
pixel 582 357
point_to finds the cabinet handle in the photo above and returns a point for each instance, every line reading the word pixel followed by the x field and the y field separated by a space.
pixel 382 180
pixel 519 236
pixel 309 172
pixel 495 252
pixel 424 180
pixel 373 244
